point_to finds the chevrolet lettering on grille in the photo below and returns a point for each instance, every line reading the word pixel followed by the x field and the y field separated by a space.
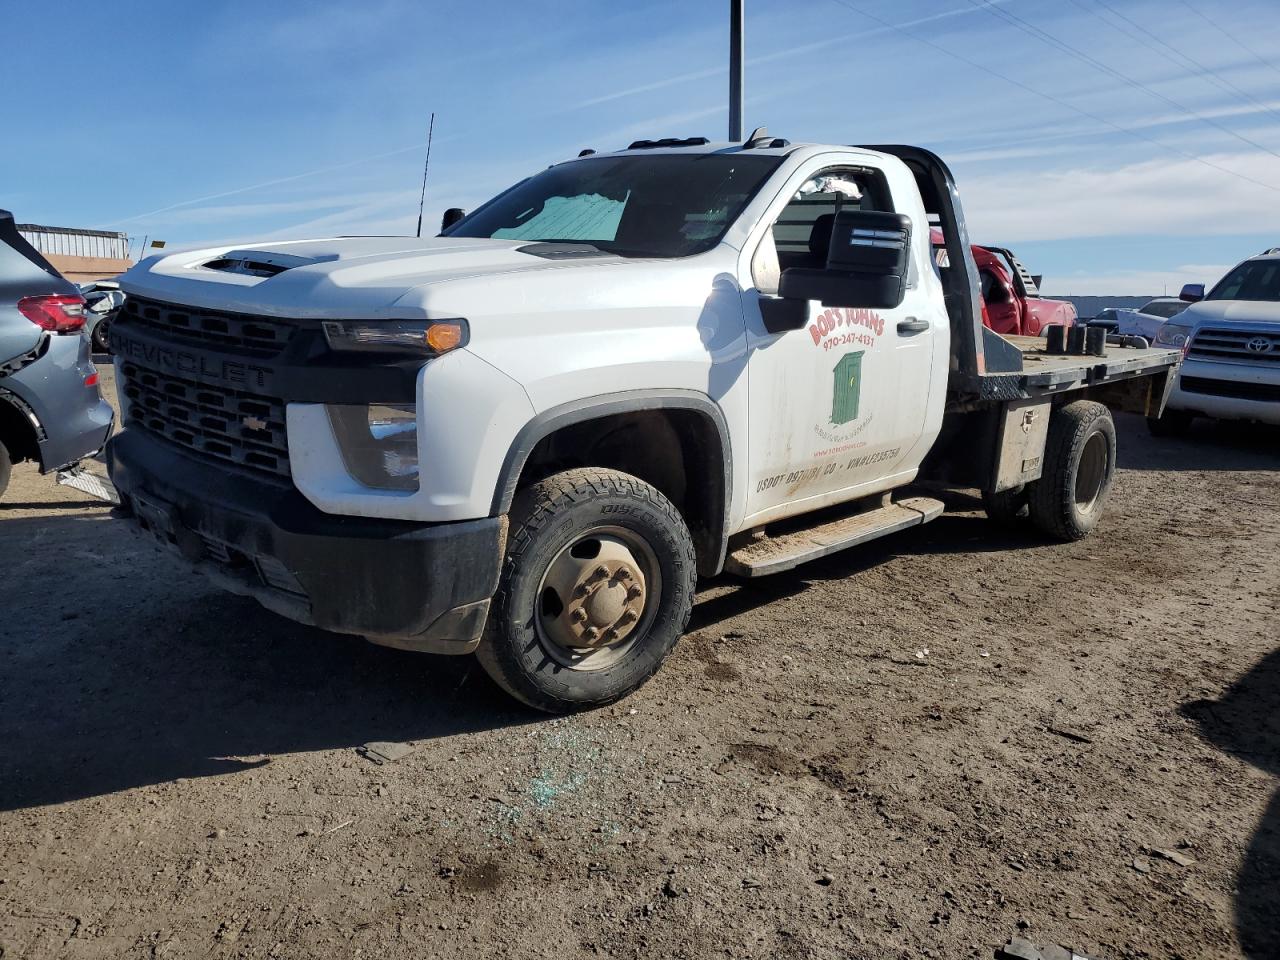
pixel 233 372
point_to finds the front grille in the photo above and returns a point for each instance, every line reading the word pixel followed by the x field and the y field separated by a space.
pixel 243 428
pixel 1237 346
pixel 1266 392
pixel 234 332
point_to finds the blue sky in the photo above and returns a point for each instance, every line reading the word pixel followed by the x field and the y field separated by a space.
pixel 1152 161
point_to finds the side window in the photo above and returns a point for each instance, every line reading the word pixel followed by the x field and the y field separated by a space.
pixel 993 290
pixel 801 236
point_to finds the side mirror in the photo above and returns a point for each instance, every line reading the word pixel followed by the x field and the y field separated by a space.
pixel 451 216
pixel 1192 293
pixel 866 264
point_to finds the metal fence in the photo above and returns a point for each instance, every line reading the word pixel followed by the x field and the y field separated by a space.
pixel 73 242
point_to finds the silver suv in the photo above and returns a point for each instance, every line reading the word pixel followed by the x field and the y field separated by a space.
pixel 1230 340
pixel 51 410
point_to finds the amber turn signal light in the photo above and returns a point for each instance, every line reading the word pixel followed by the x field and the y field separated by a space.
pixel 443 337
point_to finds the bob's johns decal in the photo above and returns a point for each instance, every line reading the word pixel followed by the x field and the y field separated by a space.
pixel 839 327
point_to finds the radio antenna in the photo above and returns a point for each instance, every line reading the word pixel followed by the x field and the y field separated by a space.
pixel 431 128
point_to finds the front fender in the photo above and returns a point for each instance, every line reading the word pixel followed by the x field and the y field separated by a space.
pixel 469 413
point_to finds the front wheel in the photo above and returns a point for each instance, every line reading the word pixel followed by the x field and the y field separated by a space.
pixel 597 587
pixel 1079 464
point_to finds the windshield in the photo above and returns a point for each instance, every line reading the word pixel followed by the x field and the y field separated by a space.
pixel 1164 308
pixel 660 205
pixel 1252 280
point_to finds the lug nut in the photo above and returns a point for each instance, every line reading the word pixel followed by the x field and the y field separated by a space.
pixel 582 590
pixel 623 575
pixel 634 593
pixel 591 634
pixel 600 572
pixel 579 615
pixel 628 616
pixel 610 636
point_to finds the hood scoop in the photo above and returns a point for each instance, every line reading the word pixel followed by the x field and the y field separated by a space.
pixel 260 263
pixel 564 250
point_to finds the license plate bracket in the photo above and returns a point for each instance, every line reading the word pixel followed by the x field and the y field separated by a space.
pixel 158 518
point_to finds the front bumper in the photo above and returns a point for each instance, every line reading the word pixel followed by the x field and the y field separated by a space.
pixel 418 586
pixel 1228 391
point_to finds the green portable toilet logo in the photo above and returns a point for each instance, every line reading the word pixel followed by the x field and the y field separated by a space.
pixel 848 387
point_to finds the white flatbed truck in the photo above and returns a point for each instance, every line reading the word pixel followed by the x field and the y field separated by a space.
pixel 529 436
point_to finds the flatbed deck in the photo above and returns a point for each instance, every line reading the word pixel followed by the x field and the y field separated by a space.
pixel 1024 370
pixel 1044 369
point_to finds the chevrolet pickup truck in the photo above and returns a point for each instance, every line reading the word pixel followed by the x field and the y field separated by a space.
pixel 528 437
pixel 1231 342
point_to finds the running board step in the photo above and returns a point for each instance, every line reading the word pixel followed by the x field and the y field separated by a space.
pixel 776 554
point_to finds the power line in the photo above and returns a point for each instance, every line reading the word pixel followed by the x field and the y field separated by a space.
pixel 1045 37
pixel 1234 39
pixel 1050 97
pixel 1141 35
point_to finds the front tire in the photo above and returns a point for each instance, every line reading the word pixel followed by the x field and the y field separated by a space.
pixel 1079 465
pixel 597 587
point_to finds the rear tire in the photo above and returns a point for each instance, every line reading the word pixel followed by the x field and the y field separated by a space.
pixel 1008 508
pixel 6 468
pixel 1079 466
pixel 1174 423
pixel 101 333
pixel 596 588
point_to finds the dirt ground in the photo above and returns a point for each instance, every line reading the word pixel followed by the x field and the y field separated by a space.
pixel 915 749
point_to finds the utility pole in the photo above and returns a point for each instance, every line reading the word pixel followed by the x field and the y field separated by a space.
pixel 736 48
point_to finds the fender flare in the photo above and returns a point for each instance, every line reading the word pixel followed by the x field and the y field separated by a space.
pixel 18 412
pixel 630 401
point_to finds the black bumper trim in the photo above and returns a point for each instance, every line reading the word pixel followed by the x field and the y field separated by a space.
pixel 390 580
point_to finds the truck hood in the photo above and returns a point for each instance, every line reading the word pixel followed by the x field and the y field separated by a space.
pixel 344 276
pixel 1231 311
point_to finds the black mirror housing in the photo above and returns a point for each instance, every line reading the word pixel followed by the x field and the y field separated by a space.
pixel 866 266
pixel 1192 293
pixel 451 216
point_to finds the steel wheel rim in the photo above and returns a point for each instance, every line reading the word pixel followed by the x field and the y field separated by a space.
pixel 1091 474
pixel 590 585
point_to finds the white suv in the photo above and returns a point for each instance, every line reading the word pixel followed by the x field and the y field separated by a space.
pixel 1230 339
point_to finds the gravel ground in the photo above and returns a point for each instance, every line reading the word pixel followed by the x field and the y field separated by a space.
pixel 918 748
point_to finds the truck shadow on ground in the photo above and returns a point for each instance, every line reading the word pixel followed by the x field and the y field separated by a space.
pixel 1245 723
pixel 138 674
pixel 1211 445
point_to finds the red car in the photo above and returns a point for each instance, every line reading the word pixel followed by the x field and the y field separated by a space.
pixel 1011 301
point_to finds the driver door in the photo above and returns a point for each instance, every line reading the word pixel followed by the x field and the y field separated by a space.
pixel 835 408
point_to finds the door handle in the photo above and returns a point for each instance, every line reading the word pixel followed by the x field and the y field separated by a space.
pixel 912 325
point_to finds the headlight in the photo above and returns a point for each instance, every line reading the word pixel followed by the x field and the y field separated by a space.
pixel 423 337
pixel 1174 335
pixel 378 442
